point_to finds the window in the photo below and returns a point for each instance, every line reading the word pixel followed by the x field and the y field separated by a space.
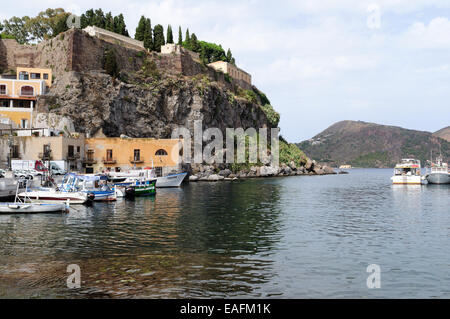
pixel 23 75
pixel 78 149
pixel 23 123
pixel 90 155
pixel 15 151
pixel 70 151
pixel 109 155
pixel 2 89
pixel 27 90
pixel 137 155
pixel 45 76
pixel 158 171
pixel 35 76
pixel 4 103
pixel 161 152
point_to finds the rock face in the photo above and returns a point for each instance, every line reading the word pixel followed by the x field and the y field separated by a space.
pixel 95 102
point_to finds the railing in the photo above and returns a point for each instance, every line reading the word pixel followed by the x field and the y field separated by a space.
pixel 90 161
pixel 135 160
pixel 109 160
pixel 45 158
pixel 72 157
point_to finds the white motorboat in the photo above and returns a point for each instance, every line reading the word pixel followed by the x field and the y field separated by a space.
pixel 172 180
pixel 21 206
pixel 8 187
pixel 439 173
pixel 52 195
pixel 407 172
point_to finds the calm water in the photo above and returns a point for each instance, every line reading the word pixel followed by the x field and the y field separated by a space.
pixel 295 237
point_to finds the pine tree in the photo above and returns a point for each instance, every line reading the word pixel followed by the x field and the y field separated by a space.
pixel 158 37
pixel 180 38
pixel 141 29
pixel 148 38
pixel 169 34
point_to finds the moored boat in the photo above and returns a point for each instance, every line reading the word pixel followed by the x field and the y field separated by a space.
pixel 407 172
pixel 24 206
pixel 439 173
pixel 52 195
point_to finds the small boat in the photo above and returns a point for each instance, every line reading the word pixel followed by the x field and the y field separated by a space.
pixel 141 188
pixel 90 184
pixel 20 206
pixel 8 187
pixel 407 172
pixel 171 180
pixel 439 173
pixel 53 195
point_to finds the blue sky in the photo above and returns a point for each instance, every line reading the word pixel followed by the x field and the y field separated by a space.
pixel 319 61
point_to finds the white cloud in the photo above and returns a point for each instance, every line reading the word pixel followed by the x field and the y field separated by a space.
pixel 435 35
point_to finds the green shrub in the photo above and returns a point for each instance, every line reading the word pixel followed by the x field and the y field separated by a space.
pixel 272 116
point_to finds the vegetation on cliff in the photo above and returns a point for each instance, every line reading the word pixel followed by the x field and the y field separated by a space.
pixel 362 144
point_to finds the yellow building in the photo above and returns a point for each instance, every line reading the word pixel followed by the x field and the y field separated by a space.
pixel 121 154
pixel 35 74
pixel 63 148
pixel 18 96
pixel 232 70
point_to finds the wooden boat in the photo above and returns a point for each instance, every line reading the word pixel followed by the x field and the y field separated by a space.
pixel 141 188
pixel 90 184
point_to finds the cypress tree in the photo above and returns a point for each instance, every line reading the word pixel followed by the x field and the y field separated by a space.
pixel 148 38
pixel 180 38
pixel 110 63
pixel 187 39
pixel 109 22
pixel 169 34
pixel 194 45
pixel 158 37
pixel 141 29
pixel 229 55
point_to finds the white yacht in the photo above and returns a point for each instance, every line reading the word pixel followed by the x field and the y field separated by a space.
pixel 439 173
pixel 407 172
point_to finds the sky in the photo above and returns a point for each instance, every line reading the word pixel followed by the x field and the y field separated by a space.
pixel 318 61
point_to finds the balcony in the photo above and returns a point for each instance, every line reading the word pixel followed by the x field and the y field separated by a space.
pixel 90 161
pixel 135 160
pixel 109 160
pixel 45 157
pixel 73 157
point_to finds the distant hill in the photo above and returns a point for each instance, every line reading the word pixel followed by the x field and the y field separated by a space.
pixel 362 144
pixel 444 133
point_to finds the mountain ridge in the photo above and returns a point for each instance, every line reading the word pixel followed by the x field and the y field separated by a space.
pixel 364 144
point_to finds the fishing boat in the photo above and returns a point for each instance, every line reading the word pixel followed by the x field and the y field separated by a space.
pixel 96 185
pixel 141 188
pixel 54 195
pixel 407 172
pixel 21 206
pixel 438 173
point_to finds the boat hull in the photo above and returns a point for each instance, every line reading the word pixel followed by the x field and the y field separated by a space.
pixel 55 197
pixel 26 208
pixel 438 178
pixel 407 180
pixel 170 180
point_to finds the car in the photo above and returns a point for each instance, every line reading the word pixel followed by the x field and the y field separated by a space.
pixel 22 174
pixel 2 173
